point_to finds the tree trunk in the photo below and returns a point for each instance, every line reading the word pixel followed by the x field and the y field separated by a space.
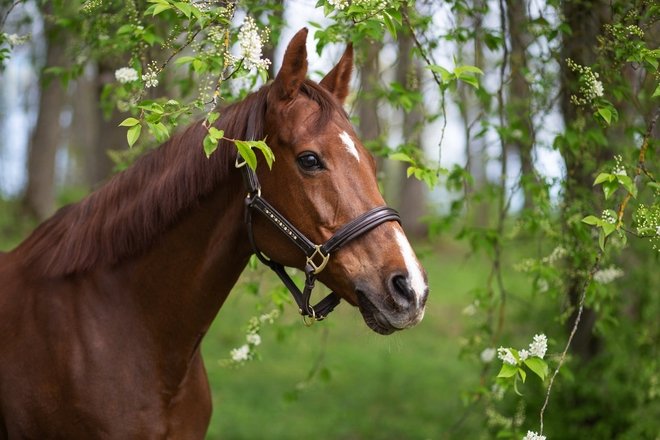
pixel 470 110
pixel 91 164
pixel 519 109
pixel 585 19
pixel 39 198
pixel 412 193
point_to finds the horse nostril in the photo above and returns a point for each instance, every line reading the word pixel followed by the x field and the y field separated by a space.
pixel 401 289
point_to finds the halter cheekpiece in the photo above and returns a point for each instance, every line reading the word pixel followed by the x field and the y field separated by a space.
pixel 317 255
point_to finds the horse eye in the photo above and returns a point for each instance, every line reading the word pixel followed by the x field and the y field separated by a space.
pixel 309 161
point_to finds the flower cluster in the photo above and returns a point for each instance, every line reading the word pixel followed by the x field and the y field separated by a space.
pixel 150 78
pixel 590 86
pixel 126 75
pixel 246 351
pixel 606 276
pixel 608 216
pixel 251 44
pixel 619 169
pixel 557 254
pixel 371 5
pixel 16 40
pixel 537 348
pixel 531 435
pixel 506 356
pixel 339 4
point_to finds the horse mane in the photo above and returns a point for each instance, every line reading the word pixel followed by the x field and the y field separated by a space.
pixel 124 216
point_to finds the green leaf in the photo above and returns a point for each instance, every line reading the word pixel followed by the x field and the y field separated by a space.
pixel 401 157
pixel 389 24
pixel 266 151
pixel 210 145
pixel 185 59
pixel 657 92
pixel 445 74
pixel 591 220
pixel 523 374
pixel 627 184
pixel 609 188
pixel 246 153
pixel 212 117
pixel 538 366
pixel 199 65
pixel 601 240
pixel 186 8
pixel 159 130
pixel 608 228
pixel 459 70
pixel 471 80
pixel 507 370
pixel 606 114
pixel 133 134
pixel 604 177
pixel 160 8
pixel 129 122
pixel 216 134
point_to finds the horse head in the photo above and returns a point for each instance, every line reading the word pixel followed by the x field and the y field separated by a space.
pixel 322 179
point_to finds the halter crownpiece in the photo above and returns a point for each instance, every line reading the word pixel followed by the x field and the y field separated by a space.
pixel 317 256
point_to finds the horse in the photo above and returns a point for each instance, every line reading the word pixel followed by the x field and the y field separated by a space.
pixel 103 307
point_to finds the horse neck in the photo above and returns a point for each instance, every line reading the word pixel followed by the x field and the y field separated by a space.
pixel 180 284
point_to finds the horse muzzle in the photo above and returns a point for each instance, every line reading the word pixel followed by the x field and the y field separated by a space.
pixel 396 307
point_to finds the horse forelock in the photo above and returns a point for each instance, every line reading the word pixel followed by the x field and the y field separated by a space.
pixel 124 216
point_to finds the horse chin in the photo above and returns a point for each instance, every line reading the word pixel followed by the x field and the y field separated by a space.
pixel 373 317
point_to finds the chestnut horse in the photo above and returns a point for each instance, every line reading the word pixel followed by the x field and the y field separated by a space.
pixel 104 306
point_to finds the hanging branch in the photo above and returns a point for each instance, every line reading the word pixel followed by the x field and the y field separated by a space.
pixel 594 268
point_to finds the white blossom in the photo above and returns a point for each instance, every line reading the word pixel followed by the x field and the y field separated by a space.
pixel 150 79
pixel 253 338
pixel 126 75
pixel 531 435
pixel 339 4
pixel 17 40
pixel 539 346
pixel 487 355
pixel 506 356
pixel 251 44
pixel 606 276
pixel 597 88
pixel 240 354
pixel 524 354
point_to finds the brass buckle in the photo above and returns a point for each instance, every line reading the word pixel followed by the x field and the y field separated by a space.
pixel 310 260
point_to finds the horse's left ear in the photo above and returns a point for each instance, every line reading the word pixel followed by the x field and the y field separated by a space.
pixel 294 67
pixel 338 79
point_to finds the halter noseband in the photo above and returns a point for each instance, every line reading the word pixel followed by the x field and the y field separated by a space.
pixel 317 256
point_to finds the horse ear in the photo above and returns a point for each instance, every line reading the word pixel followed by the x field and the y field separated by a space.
pixel 294 67
pixel 338 79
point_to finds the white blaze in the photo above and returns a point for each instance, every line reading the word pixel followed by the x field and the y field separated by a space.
pixel 414 271
pixel 349 144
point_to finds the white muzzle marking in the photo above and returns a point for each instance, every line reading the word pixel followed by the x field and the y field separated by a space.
pixel 412 265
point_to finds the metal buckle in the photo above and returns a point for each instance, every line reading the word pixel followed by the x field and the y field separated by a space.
pixel 310 260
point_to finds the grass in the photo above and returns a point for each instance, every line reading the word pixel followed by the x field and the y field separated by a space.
pixel 404 386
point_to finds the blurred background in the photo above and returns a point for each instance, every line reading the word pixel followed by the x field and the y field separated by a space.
pixel 488 142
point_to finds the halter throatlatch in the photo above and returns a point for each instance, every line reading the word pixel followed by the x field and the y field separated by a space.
pixel 317 256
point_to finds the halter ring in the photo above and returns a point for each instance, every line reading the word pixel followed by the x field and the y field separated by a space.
pixel 309 320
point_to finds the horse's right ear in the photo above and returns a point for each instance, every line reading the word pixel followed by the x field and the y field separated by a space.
pixel 294 68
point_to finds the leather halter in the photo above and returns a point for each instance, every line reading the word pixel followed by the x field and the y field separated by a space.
pixel 317 256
